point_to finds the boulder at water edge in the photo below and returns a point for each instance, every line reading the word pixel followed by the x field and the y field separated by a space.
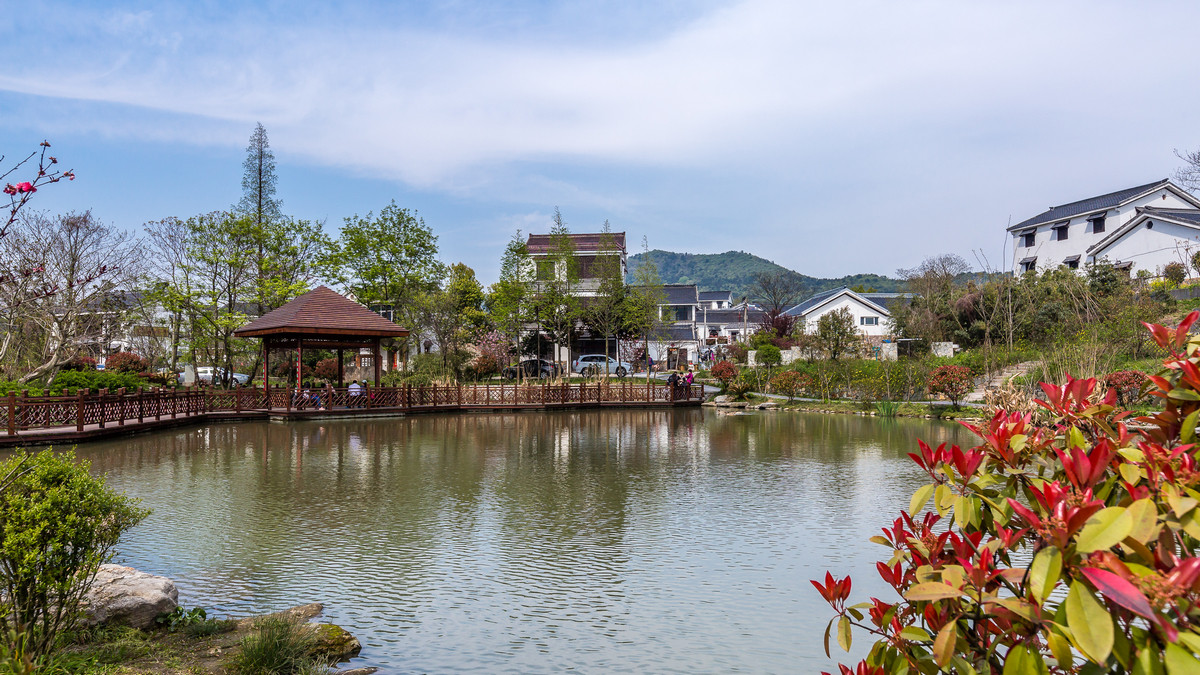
pixel 123 595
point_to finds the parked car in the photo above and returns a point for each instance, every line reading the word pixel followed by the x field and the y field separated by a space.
pixel 205 374
pixel 595 364
pixel 532 368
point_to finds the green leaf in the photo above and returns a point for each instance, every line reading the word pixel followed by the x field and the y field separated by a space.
pixel 1060 648
pixel 1104 530
pixel 1090 624
pixel 943 499
pixel 920 498
pixel 1148 662
pixel 931 591
pixel 828 630
pixel 1180 661
pixel 943 645
pixel 843 635
pixel 1183 395
pixel 1023 661
pixel 1187 432
pixel 1144 513
pixel 1043 573
pixel 914 634
pixel 1130 473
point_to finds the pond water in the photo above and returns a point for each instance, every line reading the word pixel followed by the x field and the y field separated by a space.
pixel 616 540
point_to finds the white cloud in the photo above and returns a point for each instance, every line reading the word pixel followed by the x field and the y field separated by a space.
pixel 777 112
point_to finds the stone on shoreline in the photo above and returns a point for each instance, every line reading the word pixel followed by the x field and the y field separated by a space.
pixel 125 596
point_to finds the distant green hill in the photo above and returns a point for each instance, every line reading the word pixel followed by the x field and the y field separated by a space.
pixel 735 270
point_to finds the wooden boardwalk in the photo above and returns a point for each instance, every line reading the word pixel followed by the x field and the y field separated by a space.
pixel 83 415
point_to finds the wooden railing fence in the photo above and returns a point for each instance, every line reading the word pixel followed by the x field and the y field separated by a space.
pixel 82 408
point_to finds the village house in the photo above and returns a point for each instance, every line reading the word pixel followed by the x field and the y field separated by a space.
pixel 870 310
pixel 1138 228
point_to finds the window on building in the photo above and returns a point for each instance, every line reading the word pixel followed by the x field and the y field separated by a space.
pixel 366 362
pixel 1097 223
pixel 1072 264
pixel 1060 233
pixel 1028 238
pixel 545 270
pixel 868 321
pixel 1029 265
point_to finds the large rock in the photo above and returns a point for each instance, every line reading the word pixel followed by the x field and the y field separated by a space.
pixel 334 643
pixel 123 595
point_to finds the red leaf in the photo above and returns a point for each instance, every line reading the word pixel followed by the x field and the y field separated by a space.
pixel 1182 331
pixel 1119 591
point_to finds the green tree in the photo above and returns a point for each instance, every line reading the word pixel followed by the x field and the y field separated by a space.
pixel 837 333
pixel 605 312
pixel 259 181
pixel 388 260
pixel 644 299
pixel 556 300
pixel 509 299
pixel 221 263
pixel 467 298
pixel 58 524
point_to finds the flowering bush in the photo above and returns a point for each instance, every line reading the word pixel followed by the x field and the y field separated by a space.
pixel 951 381
pixel 790 383
pixel 1175 273
pixel 326 369
pixel 1066 548
pixel 1128 385
pixel 126 362
pixel 725 372
pixel 80 363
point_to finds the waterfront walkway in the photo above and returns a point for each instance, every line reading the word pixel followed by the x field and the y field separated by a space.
pixel 84 415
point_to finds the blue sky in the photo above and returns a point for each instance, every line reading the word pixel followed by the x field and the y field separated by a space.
pixel 833 138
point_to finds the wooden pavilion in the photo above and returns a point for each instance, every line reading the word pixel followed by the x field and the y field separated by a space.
pixel 321 319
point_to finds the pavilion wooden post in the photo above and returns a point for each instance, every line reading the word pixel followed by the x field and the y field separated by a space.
pixel 299 362
pixel 375 359
pixel 266 369
pixel 341 383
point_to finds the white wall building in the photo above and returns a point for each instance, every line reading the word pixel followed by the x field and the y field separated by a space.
pixel 1118 226
pixel 870 315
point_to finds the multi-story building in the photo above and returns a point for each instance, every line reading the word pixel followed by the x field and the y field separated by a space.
pixel 594 254
pixel 1138 228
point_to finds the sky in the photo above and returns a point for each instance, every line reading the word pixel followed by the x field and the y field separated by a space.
pixel 832 138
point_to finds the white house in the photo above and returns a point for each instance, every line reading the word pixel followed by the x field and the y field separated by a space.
pixel 1119 226
pixel 870 313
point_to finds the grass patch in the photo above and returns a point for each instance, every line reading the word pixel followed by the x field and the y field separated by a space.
pixel 277 645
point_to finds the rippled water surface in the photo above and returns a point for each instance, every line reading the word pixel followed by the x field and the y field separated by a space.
pixel 607 541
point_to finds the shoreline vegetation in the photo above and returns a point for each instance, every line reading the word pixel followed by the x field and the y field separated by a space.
pixel 190 642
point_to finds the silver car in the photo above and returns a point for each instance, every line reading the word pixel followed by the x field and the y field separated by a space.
pixel 594 364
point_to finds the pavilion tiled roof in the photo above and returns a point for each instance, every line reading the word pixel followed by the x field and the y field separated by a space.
pixel 322 311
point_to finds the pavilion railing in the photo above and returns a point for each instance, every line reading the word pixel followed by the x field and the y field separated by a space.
pixel 83 408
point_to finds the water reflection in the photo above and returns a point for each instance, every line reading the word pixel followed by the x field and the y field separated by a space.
pixel 634 540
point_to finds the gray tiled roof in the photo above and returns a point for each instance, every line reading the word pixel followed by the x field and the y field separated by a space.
pixel 890 301
pixel 1186 215
pixel 675 333
pixel 815 300
pixel 1088 205
pixel 681 294
pixel 716 316
pixel 716 295
pixel 885 300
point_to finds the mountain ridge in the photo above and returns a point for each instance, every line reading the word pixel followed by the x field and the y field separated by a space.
pixel 734 271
